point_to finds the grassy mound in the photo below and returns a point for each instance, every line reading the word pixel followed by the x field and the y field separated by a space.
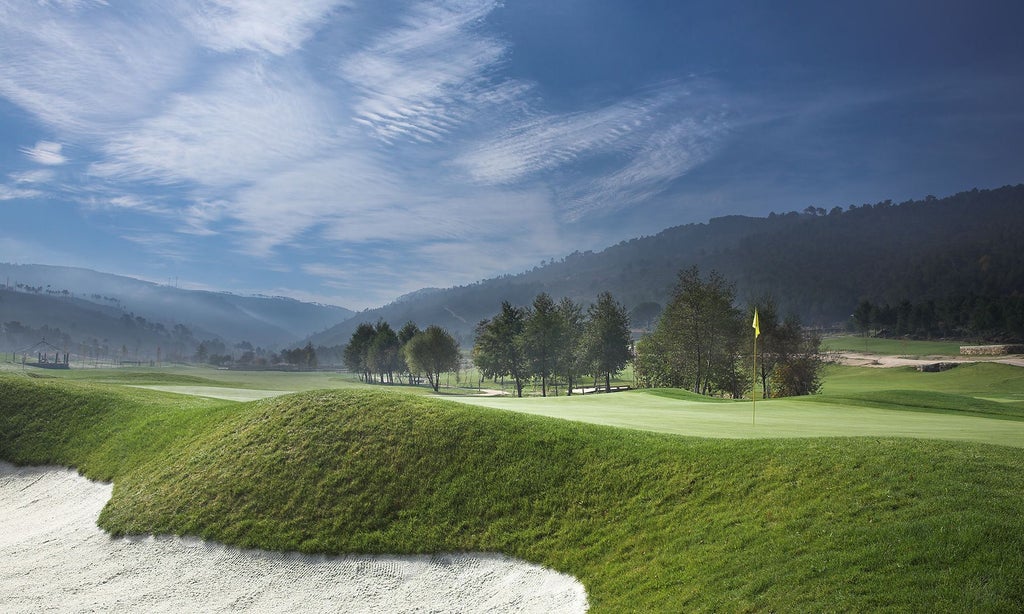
pixel 647 522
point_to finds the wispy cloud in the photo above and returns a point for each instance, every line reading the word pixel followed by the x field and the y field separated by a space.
pixel 639 144
pixel 248 121
pixel 427 76
pixel 131 202
pixel 81 67
pixel 166 246
pixel 10 193
pixel 665 156
pixel 40 175
pixel 549 141
pixel 45 152
pixel 258 25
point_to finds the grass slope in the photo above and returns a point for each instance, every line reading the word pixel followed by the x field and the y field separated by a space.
pixel 647 521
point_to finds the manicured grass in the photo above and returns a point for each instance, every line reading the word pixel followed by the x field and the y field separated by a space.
pixel 893 347
pixel 647 521
pixel 981 402
pixel 801 417
pixel 177 375
pixel 980 380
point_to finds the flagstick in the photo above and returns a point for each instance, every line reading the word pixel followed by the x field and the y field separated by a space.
pixel 756 325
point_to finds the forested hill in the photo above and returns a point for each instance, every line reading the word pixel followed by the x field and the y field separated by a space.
pixel 817 263
pixel 261 320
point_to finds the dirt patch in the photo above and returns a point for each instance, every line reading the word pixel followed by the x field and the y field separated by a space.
pixel 56 558
pixel 863 359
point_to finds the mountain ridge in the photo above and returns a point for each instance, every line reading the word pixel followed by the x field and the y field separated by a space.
pixel 265 321
pixel 817 264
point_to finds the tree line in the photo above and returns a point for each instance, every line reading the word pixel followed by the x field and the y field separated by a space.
pixel 378 354
pixel 554 343
pixel 701 342
pixel 704 343
pixel 968 316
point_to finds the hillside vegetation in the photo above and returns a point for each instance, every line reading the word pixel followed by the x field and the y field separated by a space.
pixel 104 309
pixel 818 264
pixel 648 522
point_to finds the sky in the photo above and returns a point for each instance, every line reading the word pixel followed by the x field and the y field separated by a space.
pixel 350 151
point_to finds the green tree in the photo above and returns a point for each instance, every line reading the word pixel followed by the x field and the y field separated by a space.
pixel 571 359
pixel 800 373
pixel 645 315
pixel 308 359
pixel 433 351
pixel 384 354
pixel 543 334
pixel 355 353
pixel 779 343
pixel 405 334
pixel 497 351
pixel 699 339
pixel 201 352
pixel 607 338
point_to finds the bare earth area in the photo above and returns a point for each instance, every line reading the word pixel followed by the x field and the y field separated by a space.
pixel 863 359
pixel 53 557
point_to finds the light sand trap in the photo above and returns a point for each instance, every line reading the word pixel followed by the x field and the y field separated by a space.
pixel 53 557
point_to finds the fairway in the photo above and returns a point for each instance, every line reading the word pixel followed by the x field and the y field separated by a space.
pixel 892 347
pixel 856 402
pixel 774 418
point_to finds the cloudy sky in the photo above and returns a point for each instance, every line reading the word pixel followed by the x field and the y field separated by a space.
pixel 350 151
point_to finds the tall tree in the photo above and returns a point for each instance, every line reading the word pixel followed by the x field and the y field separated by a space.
pixel 497 351
pixel 571 360
pixel 698 340
pixel 384 354
pixel 543 335
pixel 405 334
pixel 355 353
pixel 607 338
pixel 800 373
pixel 433 351
pixel 774 344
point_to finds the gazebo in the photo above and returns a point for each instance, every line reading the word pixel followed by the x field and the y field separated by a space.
pixel 48 356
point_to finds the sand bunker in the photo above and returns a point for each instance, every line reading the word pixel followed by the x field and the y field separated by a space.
pixel 54 557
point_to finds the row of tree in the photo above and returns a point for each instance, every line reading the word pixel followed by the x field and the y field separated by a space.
pixel 964 316
pixel 554 342
pixel 377 353
pixel 704 343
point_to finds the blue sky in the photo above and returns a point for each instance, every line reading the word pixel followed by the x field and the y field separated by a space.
pixel 349 151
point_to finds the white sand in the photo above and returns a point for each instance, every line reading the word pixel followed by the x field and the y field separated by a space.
pixel 54 558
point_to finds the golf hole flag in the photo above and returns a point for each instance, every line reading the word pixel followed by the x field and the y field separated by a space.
pixel 753 387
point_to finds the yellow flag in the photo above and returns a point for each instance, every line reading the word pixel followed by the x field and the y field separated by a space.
pixel 757 328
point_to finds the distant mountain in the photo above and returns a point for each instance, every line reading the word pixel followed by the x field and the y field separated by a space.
pixel 818 264
pixel 31 323
pixel 269 322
